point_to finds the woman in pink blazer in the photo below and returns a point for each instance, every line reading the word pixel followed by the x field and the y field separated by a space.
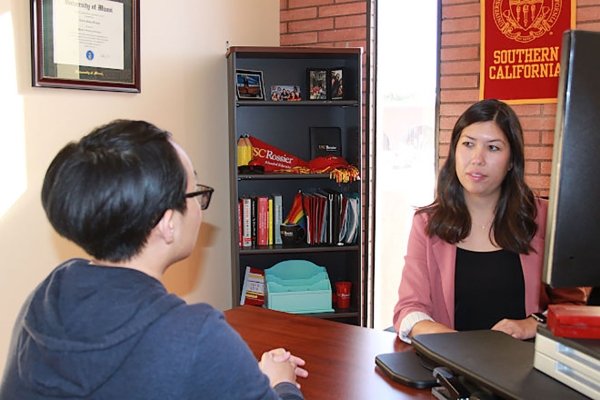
pixel 474 256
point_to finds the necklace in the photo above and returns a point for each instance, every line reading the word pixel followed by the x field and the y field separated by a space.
pixel 487 225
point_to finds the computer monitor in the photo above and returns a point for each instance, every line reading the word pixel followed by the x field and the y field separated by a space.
pixel 572 253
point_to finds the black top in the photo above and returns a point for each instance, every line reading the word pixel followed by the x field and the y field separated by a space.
pixel 489 286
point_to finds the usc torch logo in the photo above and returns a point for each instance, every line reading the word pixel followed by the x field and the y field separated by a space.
pixel 525 20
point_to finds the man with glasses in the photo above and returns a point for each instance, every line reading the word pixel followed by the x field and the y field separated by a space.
pixel 105 327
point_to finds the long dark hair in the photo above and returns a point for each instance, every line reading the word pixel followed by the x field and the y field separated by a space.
pixel 514 221
pixel 107 191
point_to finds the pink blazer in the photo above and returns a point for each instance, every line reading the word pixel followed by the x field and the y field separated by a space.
pixel 427 283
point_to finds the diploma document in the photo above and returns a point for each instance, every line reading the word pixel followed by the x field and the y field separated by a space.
pixel 88 33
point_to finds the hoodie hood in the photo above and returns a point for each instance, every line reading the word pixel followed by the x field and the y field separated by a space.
pixel 82 322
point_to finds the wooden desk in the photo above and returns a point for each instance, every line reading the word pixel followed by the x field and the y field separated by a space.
pixel 340 358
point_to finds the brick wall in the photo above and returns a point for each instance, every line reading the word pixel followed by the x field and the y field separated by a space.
pixel 338 23
pixel 327 23
pixel 459 85
pixel 344 23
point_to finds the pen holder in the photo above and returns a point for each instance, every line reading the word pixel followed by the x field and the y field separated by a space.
pixel 342 294
pixel 292 234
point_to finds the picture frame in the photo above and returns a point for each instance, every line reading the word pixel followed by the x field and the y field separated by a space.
pixel 88 44
pixel 335 78
pixel 317 83
pixel 249 84
pixel 286 93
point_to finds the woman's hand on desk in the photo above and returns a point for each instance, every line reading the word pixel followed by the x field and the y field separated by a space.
pixel 518 328
pixel 281 366
pixel 427 326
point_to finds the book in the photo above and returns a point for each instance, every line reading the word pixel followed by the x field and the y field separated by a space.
pixel 306 205
pixel 253 288
pixel 240 215
pixel 246 222
pixel 277 218
pixel 344 219
pixel 353 217
pixel 324 219
pixel 320 217
pixel 262 220
pixel 253 224
pixel 270 221
pixel 334 216
pixel 325 141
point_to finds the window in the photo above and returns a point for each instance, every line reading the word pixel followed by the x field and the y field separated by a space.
pixel 406 87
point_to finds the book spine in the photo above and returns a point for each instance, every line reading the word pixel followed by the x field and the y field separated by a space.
pixel 253 223
pixel 246 222
pixel 262 220
pixel 277 218
pixel 309 217
pixel 240 216
pixel 270 221
pixel 244 287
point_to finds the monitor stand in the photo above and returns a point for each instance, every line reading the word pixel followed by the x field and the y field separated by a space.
pixel 494 360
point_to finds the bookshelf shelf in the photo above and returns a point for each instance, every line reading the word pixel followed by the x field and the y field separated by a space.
pixel 336 314
pixel 302 103
pixel 286 125
pixel 279 249
pixel 281 176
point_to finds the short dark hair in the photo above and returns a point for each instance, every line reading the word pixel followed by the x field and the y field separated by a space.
pixel 514 222
pixel 108 190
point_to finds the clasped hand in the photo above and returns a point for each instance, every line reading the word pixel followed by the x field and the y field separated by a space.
pixel 281 366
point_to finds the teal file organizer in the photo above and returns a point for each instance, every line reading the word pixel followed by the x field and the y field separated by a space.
pixel 298 286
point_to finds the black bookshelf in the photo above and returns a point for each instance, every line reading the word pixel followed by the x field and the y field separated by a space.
pixel 285 125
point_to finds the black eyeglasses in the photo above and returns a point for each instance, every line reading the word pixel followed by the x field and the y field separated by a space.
pixel 203 194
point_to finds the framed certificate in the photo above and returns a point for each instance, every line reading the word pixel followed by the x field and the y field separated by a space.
pixel 86 44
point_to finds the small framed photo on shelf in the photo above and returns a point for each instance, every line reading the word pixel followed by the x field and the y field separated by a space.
pixel 336 84
pixel 317 84
pixel 285 93
pixel 249 85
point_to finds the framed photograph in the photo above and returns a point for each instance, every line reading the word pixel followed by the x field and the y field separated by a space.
pixel 317 84
pixel 285 93
pixel 249 85
pixel 86 44
pixel 336 84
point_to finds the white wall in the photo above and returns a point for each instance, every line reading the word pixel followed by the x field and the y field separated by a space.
pixel 183 76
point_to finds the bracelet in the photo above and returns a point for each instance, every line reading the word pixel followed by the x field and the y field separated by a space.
pixel 539 317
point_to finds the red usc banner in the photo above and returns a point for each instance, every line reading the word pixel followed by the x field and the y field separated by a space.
pixel 520 48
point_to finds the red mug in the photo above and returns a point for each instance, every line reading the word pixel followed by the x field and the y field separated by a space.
pixel 342 294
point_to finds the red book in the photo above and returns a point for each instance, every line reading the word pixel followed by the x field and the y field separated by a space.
pixel 572 321
pixel 253 288
pixel 306 205
pixel 262 220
